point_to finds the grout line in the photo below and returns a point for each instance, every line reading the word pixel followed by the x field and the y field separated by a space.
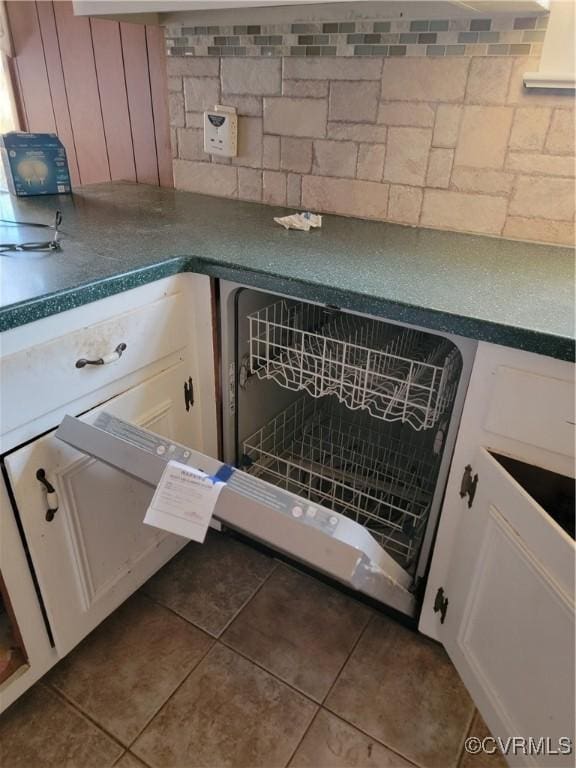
pixel 385 160
pixel 373 738
pixel 548 129
pixel 427 171
pixel 179 615
pixel 269 672
pixel 177 688
pixel 81 711
pixel 418 222
pixel 249 599
pixel 156 601
pixel 453 158
pixel 133 754
pixel 352 649
pixel 120 758
pixel 515 181
pixel 467 732
pixel 299 744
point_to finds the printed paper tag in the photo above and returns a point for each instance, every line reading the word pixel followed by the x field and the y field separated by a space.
pixel 184 501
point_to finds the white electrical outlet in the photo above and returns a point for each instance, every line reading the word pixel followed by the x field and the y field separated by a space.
pixel 221 131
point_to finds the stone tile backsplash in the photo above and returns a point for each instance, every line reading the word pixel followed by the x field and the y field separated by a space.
pixel 452 142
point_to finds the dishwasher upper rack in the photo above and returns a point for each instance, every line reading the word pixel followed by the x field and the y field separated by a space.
pixel 381 477
pixel 394 373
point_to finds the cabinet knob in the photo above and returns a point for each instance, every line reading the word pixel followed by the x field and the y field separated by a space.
pixel 51 495
pixel 111 357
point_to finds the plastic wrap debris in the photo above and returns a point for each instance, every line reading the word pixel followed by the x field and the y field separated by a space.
pixel 304 221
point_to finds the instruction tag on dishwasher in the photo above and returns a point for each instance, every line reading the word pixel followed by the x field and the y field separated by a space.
pixel 184 501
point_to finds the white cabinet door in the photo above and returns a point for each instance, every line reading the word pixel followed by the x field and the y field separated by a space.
pixel 509 619
pixel 96 551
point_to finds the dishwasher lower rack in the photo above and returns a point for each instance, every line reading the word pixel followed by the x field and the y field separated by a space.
pixel 393 373
pixel 340 460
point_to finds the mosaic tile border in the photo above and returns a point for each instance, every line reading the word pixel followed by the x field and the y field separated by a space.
pixel 496 36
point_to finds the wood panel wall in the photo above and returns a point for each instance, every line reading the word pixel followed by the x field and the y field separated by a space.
pixel 100 85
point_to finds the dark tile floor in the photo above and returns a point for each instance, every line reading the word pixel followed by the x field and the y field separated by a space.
pixel 228 658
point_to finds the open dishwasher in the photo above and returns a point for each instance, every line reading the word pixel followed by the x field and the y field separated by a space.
pixel 349 412
pixel 338 430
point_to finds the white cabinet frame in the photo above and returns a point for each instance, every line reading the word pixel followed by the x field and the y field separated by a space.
pixel 25 606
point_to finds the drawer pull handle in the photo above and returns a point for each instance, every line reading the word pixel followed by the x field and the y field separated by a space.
pixel 110 358
pixel 51 495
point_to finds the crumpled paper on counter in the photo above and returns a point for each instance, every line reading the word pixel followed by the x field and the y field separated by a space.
pixel 304 221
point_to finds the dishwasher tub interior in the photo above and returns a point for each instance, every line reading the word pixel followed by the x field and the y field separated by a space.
pixel 345 410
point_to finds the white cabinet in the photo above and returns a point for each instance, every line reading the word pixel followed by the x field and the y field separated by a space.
pixel 93 551
pixel 500 594
pixel 509 624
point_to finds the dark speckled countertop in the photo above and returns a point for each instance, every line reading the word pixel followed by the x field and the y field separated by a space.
pixel 118 236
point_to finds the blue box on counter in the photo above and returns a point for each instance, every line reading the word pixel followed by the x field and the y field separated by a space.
pixel 34 164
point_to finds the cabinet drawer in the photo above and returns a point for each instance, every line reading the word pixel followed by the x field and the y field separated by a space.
pixel 40 379
pixel 532 408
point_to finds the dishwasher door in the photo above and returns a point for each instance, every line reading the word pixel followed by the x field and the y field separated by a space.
pixel 310 533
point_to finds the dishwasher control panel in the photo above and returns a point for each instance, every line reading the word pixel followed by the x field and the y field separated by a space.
pixel 282 501
pixel 236 480
pixel 141 438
